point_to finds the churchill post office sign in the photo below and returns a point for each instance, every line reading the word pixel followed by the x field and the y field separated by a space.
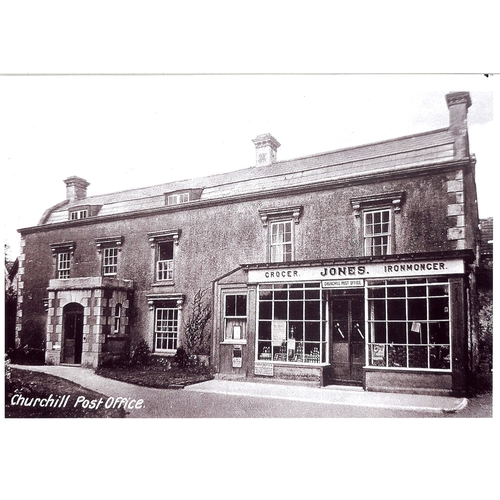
pixel 353 275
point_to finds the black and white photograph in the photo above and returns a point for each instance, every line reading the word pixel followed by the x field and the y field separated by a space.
pixel 250 246
pixel 248 249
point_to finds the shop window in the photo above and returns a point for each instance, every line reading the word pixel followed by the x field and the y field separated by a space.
pixel 235 316
pixel 377 232
pixel 163 244
pixel 292 323
pixel 280 223
pixel 409 324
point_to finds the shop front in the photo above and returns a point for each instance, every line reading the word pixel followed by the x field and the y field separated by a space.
pixel 394 323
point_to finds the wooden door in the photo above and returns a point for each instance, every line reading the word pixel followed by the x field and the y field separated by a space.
pixel 347 338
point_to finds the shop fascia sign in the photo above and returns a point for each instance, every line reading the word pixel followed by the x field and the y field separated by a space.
pixel 354 274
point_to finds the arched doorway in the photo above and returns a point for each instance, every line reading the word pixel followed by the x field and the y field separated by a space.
pixel 73 333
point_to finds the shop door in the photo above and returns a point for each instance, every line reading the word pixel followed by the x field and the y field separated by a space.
pixel 73 333
pixel 347 321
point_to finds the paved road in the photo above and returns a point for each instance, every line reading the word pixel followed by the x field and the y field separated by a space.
pixel 197 402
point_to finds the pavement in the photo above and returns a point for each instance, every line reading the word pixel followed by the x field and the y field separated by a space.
pixel 328 395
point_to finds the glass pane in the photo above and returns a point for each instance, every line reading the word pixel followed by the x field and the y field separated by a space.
pixel 438 308
pixel 397 356
pixel 440 357
pixel 417 357
pixel 264 330
pixel 439 333
pixel 396 309
pixel 265 310
pixel 396 333
pixel 378 355
pixel 377 310
pixel 313 310
pixel 295 310
pixel 312 332
pixel 417 309
pixel 378 332
pixel 376 293
pixel 241 305
pixel 296 330
pixel 280 310
pixel 166 250
pixel 417 333
pixel 230 305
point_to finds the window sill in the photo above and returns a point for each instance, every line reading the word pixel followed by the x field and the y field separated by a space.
pixel 291 363
pixel 234 341
pixel 169 352
pixel 157 284
pixel 403 369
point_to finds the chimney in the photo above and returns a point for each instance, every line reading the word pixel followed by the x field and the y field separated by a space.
pixel 76 188
pixel 458 103
pixel 265 150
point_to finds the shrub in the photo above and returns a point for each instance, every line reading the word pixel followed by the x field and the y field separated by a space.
pixel 141 355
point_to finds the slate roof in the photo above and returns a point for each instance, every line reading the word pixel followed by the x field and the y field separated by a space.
pixel 429 148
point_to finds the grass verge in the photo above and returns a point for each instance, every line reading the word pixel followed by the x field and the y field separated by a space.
pixel 157 377
pixel 25 386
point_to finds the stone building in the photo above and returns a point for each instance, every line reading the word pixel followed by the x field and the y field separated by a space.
pixel 353 266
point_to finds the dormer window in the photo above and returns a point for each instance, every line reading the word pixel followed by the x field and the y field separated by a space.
pixel 83 211
pixel 79 214
pixel 183 196
pixel 175 199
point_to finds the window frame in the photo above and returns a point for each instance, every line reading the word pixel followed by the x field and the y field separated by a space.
pixel 406 319
pixel 117 318
pixel 164 266
pixel 78 214
pixel 295 317
pixel 63 272
pixel 67 249
pixel 171 331
pixel 236 320
pixel 155 240
pixel 282 215
pixel 277 249
pixel 178 198
pixel 104 245
pixel 368 239
pixel 105 261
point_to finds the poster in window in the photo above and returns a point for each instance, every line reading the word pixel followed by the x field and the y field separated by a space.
pixel 378 351
pixel 278 332
pixel 236 332
pixel 416 327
